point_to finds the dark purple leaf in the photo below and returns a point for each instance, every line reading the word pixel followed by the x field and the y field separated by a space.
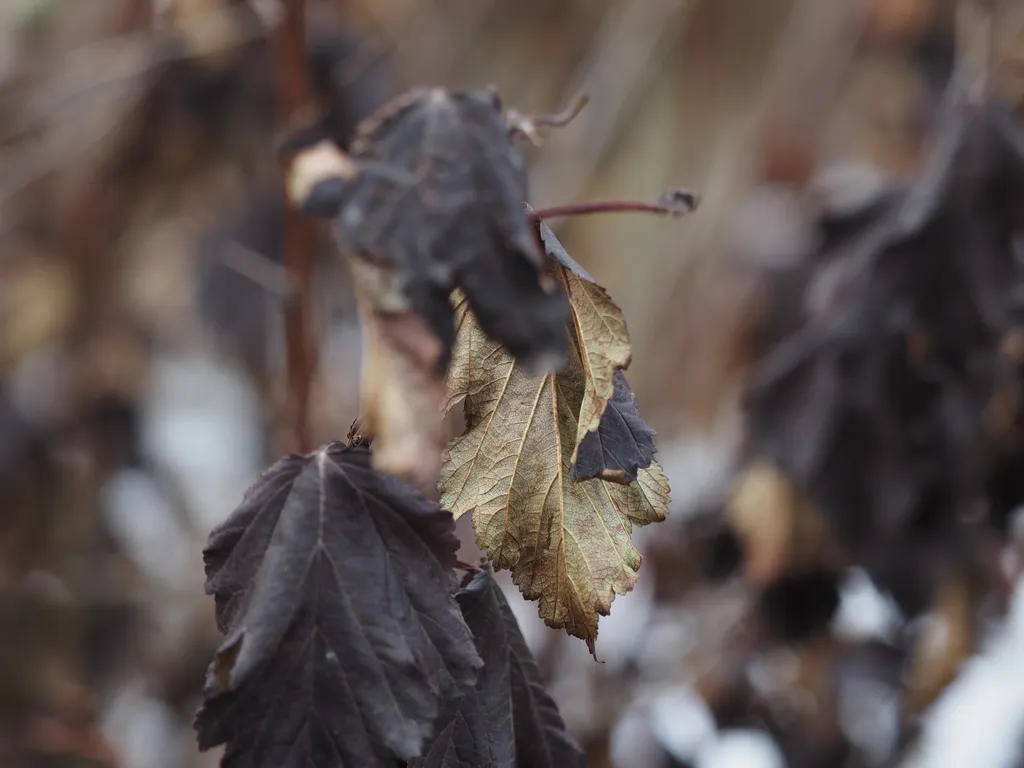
pixel 509 720
pixel 440 199
pixel 344 641
pixel 622 444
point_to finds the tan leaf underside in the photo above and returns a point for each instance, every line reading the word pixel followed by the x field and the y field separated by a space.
pixel 568 544
pixel 604 347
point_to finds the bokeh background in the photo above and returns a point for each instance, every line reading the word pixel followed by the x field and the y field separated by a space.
pixel 141 356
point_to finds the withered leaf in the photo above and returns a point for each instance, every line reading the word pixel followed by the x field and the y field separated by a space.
pixel 344 641
pixel 622 444
pixel 871 394
pixel 439 200
pixel 509 720
pixel 567 543
pixel 601 335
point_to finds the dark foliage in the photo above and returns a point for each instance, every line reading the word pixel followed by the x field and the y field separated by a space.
pixel 509 720
pixel 440 198
pixel 344 641
pixel 622 444
pixel 800 604
pixel 889 387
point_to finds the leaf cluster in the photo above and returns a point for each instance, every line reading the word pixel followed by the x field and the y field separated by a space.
pixel 888 391
pixel 346 639
pixel 347 642
pixel 556 468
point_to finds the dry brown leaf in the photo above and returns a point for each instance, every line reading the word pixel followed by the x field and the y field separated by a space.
pixel 567 544
pixel 603 344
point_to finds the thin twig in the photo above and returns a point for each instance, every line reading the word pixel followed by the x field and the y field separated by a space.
pixel 262 271
pixel 294 114
pixel 676 202
pixel 625 55
pixel 527 125
pixel 567 115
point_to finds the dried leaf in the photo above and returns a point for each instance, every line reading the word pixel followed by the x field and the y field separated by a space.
pixel 601 335
pixel 611 443
pixel 509 720
pixel 439 201
pixel 344 642
pixel 567 543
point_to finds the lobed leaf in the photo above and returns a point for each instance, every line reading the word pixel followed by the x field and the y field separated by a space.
pixel 611 443
pixel 508 720
pixel 439 201
pixel 344 641
pixel 567 543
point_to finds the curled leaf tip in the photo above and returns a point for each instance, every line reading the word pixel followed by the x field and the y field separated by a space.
pixel 527 125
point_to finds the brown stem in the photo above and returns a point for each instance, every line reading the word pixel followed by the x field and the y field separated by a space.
pixel 673 203
pixel 295 114
pixel 527 125
pixel 566 116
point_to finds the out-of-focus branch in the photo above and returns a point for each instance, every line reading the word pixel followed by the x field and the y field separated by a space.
pixel 295 115
pixel 989 48
pixel 52 122
pixel 815 56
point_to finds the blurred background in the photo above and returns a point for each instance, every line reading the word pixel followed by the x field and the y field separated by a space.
pixel 141 354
